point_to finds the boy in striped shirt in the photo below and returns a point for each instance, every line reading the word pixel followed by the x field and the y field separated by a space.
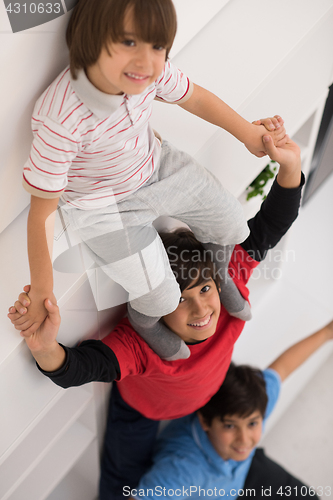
pixel 93 147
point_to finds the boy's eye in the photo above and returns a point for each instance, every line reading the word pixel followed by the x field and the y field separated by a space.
pixel 206 288
pixel 228 426
pixel 128 43
pixel 158 47
pixel 253 424
pixel 181 300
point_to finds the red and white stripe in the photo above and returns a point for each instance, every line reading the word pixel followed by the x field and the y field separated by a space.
pixel 95 161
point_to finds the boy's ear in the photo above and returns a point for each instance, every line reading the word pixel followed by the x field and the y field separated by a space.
pixel 203 422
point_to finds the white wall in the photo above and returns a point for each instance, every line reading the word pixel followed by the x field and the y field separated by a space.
pixel 30 60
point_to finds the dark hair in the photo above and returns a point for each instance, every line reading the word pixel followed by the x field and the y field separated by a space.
pixel 242 393
pixel 190 262
pixel 94 23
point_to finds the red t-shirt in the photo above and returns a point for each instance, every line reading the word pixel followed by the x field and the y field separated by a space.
pixel 163 390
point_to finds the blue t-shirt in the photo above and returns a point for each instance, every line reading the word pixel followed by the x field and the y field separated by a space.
pixel 187 465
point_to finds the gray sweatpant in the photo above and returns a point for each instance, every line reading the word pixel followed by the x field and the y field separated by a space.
pixel 128 248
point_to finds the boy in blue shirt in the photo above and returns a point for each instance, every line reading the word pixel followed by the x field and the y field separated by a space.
pixel 213 451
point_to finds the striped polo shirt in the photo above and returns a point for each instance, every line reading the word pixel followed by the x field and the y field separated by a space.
pixel 94 149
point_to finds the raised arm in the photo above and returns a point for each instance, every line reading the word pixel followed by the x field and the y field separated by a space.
pixel 295 356
pixel 50 356
pixel 211 108
pixel 280 209
pixel 40 237
pixel 91 361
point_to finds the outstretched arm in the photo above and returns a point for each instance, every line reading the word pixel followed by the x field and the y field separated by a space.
pixel 289 158
pixel 211 108
pixel 295 356
pixel 43 345
pixel 280 209
pixel 40 236
pixel 91 361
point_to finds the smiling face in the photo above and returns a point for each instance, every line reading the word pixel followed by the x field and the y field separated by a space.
pixel 234 437
pixel 128 66
pixel 196 316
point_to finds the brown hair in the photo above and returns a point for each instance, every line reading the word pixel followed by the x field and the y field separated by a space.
pixel 94 23
pixel 242 393
pixel 190 262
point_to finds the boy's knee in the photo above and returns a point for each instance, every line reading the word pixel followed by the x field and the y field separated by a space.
pixel 162 300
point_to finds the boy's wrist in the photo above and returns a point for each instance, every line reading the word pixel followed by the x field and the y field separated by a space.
pixel 290 175
pixel 50 358
pixel 328 333
pixel 46 351
pixel 40 290
pixel 37 296
pixel 251 133
pixel 256 133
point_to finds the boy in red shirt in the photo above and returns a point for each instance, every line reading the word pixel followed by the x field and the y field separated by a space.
pixel 149 388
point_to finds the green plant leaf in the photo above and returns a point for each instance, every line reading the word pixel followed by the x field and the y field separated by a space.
pixel 257 185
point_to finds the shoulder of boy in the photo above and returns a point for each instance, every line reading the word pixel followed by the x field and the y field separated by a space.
pixel 273 388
